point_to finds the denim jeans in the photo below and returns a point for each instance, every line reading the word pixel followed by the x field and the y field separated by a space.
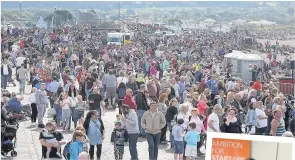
pixel 171 138
pixel 22 85
pixel 76 116
pixel 153 141
pixel 140 114
pixel 4 80
pixel 72 116
pixel 87 92
pixel 58 111
pixel 66 118
pixel 132 145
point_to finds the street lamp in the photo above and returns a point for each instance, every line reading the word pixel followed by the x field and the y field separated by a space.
pixel 54 17
pixel 20 12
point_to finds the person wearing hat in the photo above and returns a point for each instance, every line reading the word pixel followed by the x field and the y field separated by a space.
pixel 41 101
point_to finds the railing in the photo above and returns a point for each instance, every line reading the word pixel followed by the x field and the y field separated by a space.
pixel 285 88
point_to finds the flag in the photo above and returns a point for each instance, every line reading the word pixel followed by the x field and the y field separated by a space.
pixel 70 52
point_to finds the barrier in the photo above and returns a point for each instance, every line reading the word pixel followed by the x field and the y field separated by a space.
pixel 285 88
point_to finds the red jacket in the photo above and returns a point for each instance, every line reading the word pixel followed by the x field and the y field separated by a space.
pixel 130 102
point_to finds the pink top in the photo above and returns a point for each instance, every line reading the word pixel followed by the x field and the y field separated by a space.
pixel 153 71
pixel 199 123
pixel 202 107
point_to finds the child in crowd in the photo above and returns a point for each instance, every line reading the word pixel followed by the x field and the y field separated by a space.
pixel 49 137
pixel 178 134
pixel 192 139
pixel 119 136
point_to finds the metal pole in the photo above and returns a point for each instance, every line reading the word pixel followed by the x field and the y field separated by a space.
pixel 54 17
pixel 119 14
pixel 220 24
pixel 293 62
pixel 20 11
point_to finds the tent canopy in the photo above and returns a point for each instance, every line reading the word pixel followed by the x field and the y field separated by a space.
pixel 41 23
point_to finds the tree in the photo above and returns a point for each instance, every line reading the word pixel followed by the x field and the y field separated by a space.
pixel 291 11
pixel 59 17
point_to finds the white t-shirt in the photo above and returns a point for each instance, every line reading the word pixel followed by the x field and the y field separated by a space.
pixel 230 85
pixel 215 119
pixel 5 69
pixel 122 79
pixel 261 122
pixel 67 103
pixel 20 61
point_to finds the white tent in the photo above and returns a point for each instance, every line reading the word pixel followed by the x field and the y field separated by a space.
pixel 262 22
pixel 238 21
pixel 41 23
pixel 210 20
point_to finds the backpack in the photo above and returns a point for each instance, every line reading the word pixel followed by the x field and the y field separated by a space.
pixel 66 151
pixel 121 93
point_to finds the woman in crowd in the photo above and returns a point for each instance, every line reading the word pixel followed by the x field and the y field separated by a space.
pixel 170 114
pixel 183 114
pixel 76 146
pixel 56 97
pixel 132 83
pixel 121 92
pixel 33 105
pixel 163 109
pixel 261 126
pixel 95 132
pixel 229 98
pixel 65 104
pixel 231 124
pixel 200 129
pixel 73 93
pixel 202 105
pixel 79 111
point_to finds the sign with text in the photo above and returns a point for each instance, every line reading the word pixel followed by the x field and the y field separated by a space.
pixel 230 149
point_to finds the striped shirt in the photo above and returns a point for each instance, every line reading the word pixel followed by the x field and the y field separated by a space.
pixel 281 129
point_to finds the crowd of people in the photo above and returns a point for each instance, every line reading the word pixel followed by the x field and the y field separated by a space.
pixel 159 85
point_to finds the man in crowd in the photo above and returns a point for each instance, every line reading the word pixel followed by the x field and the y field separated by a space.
pixel 42 102
pixel 142 106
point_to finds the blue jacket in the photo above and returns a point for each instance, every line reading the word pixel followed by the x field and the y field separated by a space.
pixel 212 86
pixel 75 149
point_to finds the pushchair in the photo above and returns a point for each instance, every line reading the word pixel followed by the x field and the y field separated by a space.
pixel 8 137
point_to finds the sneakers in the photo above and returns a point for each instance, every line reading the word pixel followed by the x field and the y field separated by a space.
pixel 164 142
pixel 41 126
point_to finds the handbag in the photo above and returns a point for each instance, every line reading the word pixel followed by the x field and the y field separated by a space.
pixel 51 112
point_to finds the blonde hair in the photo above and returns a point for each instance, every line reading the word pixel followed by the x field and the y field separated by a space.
pixel 207 91
pixel 171 101
pixel 202 96
pixel 79 97
pixel 183 107
pixel 230 96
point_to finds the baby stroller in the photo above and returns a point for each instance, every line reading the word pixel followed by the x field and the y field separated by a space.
pixel 8 137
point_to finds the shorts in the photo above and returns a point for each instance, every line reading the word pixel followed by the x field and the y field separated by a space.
pixel 110 92
pixel 178 147
pixel 190 151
